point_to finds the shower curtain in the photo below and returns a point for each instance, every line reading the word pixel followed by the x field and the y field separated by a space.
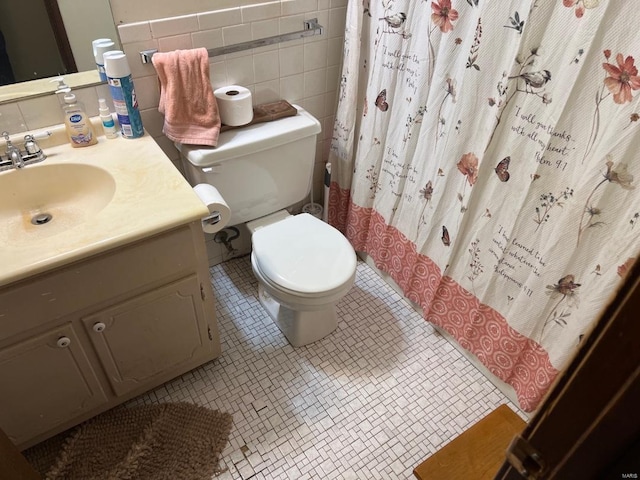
pixel 484 154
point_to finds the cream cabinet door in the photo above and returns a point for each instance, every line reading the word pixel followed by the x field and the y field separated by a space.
pixel 151 334
pixel 44 381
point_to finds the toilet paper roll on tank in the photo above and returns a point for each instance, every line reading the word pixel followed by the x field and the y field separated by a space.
pixel 234 105
pixel 219 212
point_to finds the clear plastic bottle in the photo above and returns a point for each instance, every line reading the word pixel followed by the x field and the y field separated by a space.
pixel 108 125
pixel 77 122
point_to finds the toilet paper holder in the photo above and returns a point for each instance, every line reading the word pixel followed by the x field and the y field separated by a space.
pixel 212 218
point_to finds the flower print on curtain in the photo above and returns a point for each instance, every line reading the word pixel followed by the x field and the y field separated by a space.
pixel 619 82
pixel 475 168
pixel 581 5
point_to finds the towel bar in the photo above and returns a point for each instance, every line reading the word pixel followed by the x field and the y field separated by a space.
pixel 311 28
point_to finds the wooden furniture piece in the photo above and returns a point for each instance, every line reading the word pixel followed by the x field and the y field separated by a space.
pixel 81 339
pixel 478 452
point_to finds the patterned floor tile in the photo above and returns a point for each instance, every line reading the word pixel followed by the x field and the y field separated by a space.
pixel 371 400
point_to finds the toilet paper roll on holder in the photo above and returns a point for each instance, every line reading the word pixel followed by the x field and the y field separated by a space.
pixel 212 219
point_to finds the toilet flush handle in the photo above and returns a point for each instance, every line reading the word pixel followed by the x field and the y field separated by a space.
pixel 212 169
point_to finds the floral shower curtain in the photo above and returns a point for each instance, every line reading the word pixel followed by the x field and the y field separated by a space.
pixel 484 154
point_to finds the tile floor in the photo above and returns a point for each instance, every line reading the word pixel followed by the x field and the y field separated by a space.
pixel 370 401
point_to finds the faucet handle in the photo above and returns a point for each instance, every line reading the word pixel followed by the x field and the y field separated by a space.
pixel 7 139
pixel 30 145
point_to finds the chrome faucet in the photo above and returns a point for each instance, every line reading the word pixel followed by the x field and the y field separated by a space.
pixel 13 153
pixel 15 158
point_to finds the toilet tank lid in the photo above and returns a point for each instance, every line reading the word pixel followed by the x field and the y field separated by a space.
pixel 253 138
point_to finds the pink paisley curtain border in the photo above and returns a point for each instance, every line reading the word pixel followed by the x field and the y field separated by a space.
pixel 512 357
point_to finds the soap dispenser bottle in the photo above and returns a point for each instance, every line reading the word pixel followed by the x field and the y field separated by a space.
pixel 77 122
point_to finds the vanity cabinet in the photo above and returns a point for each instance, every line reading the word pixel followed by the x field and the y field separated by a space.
pixel 90 335
pixel 139 339
pixel 47 379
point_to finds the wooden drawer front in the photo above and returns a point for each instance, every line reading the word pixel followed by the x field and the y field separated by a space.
pixel 150 335
pixel 56 294
pixel 43 385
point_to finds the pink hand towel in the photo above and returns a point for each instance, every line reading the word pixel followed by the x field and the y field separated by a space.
pixel 186 97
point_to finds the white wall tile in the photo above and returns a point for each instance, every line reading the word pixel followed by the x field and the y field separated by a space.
pixel 134 32
pixel 266 66
pixel 265 28
pixel 219 18
pixel 291 60
pixel 147 91
pixel 240 71
pixel 331 102
pixel 236 34
pixel 315 55
pixel 292 23
pixel 292 88
pixel 174 26
pixel 326 144
pixel 252 13
pixel 266 92
pixel 327 125
pixel 315 82
pixel 333 78
pixel 314 105
pixel 207 39
pixel 218 74
pixel 177 42
pixel 292 7
pixel 337 21
pixel 335 46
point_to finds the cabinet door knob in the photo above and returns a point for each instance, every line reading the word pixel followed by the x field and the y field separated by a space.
pixel 99 327
pixel 63 342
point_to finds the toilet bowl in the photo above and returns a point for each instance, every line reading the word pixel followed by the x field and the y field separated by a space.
pixel 303 267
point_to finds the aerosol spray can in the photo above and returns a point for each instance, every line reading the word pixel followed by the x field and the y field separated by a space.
pixel 123 94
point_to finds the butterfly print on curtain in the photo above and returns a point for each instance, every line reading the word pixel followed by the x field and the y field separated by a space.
pixel 381 101
pixel 502 169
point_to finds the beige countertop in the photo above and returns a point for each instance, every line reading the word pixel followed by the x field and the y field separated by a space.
pixel 150 196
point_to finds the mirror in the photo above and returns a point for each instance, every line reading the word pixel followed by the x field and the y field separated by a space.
pixel 46 38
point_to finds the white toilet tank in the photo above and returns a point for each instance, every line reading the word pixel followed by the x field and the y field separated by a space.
pixel 258 169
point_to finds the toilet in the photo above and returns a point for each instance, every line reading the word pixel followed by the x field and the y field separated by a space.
pixel 303 265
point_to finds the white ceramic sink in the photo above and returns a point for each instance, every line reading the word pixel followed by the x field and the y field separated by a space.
pixel 42 200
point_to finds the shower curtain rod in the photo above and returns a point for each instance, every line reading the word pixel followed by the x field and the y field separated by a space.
pixel 311 28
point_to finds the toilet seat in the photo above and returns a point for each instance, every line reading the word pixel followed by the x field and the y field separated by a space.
pixel 304 256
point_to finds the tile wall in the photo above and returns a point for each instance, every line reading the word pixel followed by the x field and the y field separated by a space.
pixel 303 72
